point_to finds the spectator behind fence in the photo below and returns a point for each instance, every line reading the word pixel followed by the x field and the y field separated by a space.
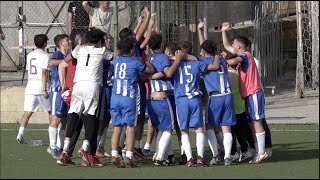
pixel 101 17
pixel 124 20
pixel 78 20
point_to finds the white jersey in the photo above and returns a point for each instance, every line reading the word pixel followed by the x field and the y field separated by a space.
pixel 36 61
pixel 89 64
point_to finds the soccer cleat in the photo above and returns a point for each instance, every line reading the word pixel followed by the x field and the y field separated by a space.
pixel 189 163
pixel 234 157
pixel 183 159
pixel 100 153
pixel 132 162
pixel 161 163
pixel 139 153
pixel 171 159
pixel 215 160
pixel 201 161
pixel 85 157
pixel 227 162
pixel 146 152
pixel 259 158
pixel 269 152
pixel 64 159
pixel 95 161
pixel 55 153
pixel 20 139
pixel 244 156
pixel 117 162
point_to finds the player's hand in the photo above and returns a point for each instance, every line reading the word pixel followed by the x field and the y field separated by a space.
pixel 146 9
pixel 178 54
pixel 225 26
pixel 223 54
pixel 151 22
pixel 200 24
pixel 45 94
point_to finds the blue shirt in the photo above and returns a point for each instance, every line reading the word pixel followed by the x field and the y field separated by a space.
pixel 125 76
pixel 186 79
pixel 55 81
pixel 159 62
pixel 137 51
pixel 216 80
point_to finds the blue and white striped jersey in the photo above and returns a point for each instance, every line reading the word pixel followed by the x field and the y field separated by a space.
pixel 159 62
pixel 187 78
pixel 216 80
pixel 125 76
pixel 55 82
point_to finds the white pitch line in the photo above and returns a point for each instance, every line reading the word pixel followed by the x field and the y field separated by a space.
pixel 276 130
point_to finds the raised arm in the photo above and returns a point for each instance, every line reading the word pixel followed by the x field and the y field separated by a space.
pixel 86 6
pixel 69 23
pixel 235 61
pixel 138 24
pixel 225 27
pixel 149 31
pixel 144 24
pixel 200 29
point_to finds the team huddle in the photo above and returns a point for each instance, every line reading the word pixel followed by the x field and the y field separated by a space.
pixel 144 76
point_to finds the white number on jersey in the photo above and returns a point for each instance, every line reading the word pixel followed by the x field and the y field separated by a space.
pixel 122 70
pixel 33 68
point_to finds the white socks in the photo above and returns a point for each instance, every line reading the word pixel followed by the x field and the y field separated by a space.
pixel 200 144
pixel 163 144
pixel 169 150
pixel 60 138
pixel 85 145
pixel 147 146
pixel 21 131
pixel 53 136
pixel 129 154
pixel 227 143
pixel 212 140
pixel 114 153
pixel 66 144
pixel 186 146
pixel 157 140
pixel 261 142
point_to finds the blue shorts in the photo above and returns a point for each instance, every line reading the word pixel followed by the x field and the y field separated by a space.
pixel 189 113
pixel 123 110
pixel 255 106
pixel 58 107
pixel 173 105
pixel 220 111
pixel 103 111
pixel 161 114
pixel 141 99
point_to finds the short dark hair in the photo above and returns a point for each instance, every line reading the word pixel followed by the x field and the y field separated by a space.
pixel 209 46
pixel 125 46
pixel 186 47
pixel 172 46
pixel 155 41
pixel 40 40
pixel 94 35
pixel 125 33
pixel 243 40
pixel 58 38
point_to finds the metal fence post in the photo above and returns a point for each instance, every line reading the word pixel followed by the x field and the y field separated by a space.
pixel 115 25
pixel 299 70
pixel 205 19
pixel 315 44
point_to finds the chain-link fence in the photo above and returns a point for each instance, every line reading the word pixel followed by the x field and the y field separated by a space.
pixel 307 77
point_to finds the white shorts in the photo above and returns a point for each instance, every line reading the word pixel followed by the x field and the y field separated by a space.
pixel 85 98
pixel 32 103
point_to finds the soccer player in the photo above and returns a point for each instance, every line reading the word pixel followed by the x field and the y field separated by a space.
pixel 188 103
pixel 85 94
pixel 36 92
pixel 125 84
pixel 220 108
pixel 159 106
pixel 249 86
pixel 59 108
pixel 103 112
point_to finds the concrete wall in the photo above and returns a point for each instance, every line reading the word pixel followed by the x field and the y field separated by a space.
pixel 11 107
